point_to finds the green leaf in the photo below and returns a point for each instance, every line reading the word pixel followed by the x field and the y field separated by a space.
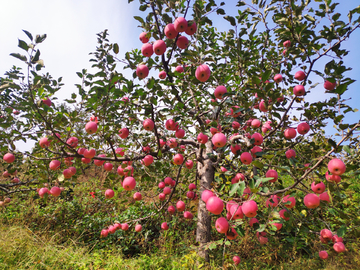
pixel 138 18
pixel 19 56
pixel 35 58
pixel 28 34
pixel 230 19
pixel 23 45
pixel 257 164
pixel 220 11
pixel 347 149
pixel 341 231
pixel 310 18
pixel 116 48
pixel 40 38
pixel 263 180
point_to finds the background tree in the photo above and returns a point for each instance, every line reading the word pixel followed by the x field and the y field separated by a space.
pixel 234 103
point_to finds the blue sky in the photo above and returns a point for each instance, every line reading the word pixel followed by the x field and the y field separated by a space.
pixel 71 27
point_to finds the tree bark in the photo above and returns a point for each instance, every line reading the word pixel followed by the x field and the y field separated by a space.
pixel 206 174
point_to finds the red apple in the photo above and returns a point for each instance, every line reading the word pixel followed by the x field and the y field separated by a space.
pixel 137 196
pixel 282 214
pixel 318 188
pixel 332 177
pixel 47 101
pixel 206 195
pixel 287 199
pixel 179 69
pixel 182 42
pixel 255 123
pixel 180 206
pixel 55 191
pixel 170 31
pixel 138 227
pixel 159 47
pixel 323 255
pixel 191 29
pixel 273 174
pixel 189 164
pixel 142 71
pixel 246 158
pixel 324 197
pixel 171 210
pixel 300 75
pixel 249 208
pixel 278 78
pixel 148 124
pixel 290 133
pixel 336 166
pixel 339 247
pixel 287 43
pixel 303 128
pixel 129 183
pixel 108 167
pixel 144 37
pixel 290 153
pixel 89 153
pixel 220 91
pixel 73 142
pixel 258 138
pixel 326 234
pixel 299 90
pixel 109 193
pixel 311 201
pixel 98 162
pixel 329 85
pixel 202 138
pixel 215 205
pixel 188 215
pixel 180 24
pixel 202 73
pixel 262 106
pixel 273 201
pixel 147 50
pixel 164 226
pixel 9 158
pixel 44 142
pixel 222 225
pixel 148 160
pixel 219 140
pixel 54 165
pixel 43 191
pixel 253 221
pixel 162 74
pixel 104 233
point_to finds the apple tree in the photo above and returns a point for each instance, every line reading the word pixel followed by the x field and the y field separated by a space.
pixel 228 119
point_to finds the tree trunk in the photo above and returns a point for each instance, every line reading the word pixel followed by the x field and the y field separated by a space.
pixel 206 174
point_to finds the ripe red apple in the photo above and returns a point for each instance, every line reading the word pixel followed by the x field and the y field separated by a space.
pixel 6 174
pixel 235 149
pixel 206 195
pixel 263 240
pixel 178 159
pixel 318 188
pixel 16 112
pixel 191 29
pixel 332 177
pixel 108 167
pixel 232 234
pixel 142 71
pixel 282 214
pixel 255 150
pixel 311 201
pixel 111 229
pixel 54 165
pixel 180 206
pixel 148 124
pixel 159 47
pixel 189 164
pixel 290 153
pixel 180 133
pixel 336 239
pixel 180 24
pixel 253 221
pixel 148 160
pixel 219 140
pixel 236 260
pixel 44 142
pixel 138 227
pixel 123 133
pixel 303 128
pixel 215 205
pixel 326 234
pixel 104 233
pixel 162 74
pixel 190 194
pixel 258 138
pixel 99 162
pixel 137 196
pixel 43 191
pixel 300 75
pixel 287 43
pixel 47 101
pixel 246 158
pixel 278 78
pixel 202 138
pixel 164 226
pixel 144 37
pixel 91 127
pixel 55 191
pixel 329 85
pixel 168 181
pixel 171 210
pixel 147 50
pixel 299 90
pixel 236 212
pixel 15 180
pixel 182 42
pixel 255 123
pixel 273 174
pixel 220 91
pixel 170 31
pixel 324 197
pixel 9 158
pixel 129 183
pixel 263 107
pixel 336 166
pixel 67 174
pixel 85 160
pixel 202 73
pixel 235 125
pixel 109 193
pixel 222 225
pixel 179 69
pixel 323 255
pixel 161 185
pixel 124 226
pixel 290 133
pixel 277 225
pixel 188 215
pixel 249 208
pixel 192 186
pixel 119 151
pixel 162 197
pixel 287 199
pixel 339 247
pixel 89 153
pixel 73 142
pixel 273 201
pixel 167 190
